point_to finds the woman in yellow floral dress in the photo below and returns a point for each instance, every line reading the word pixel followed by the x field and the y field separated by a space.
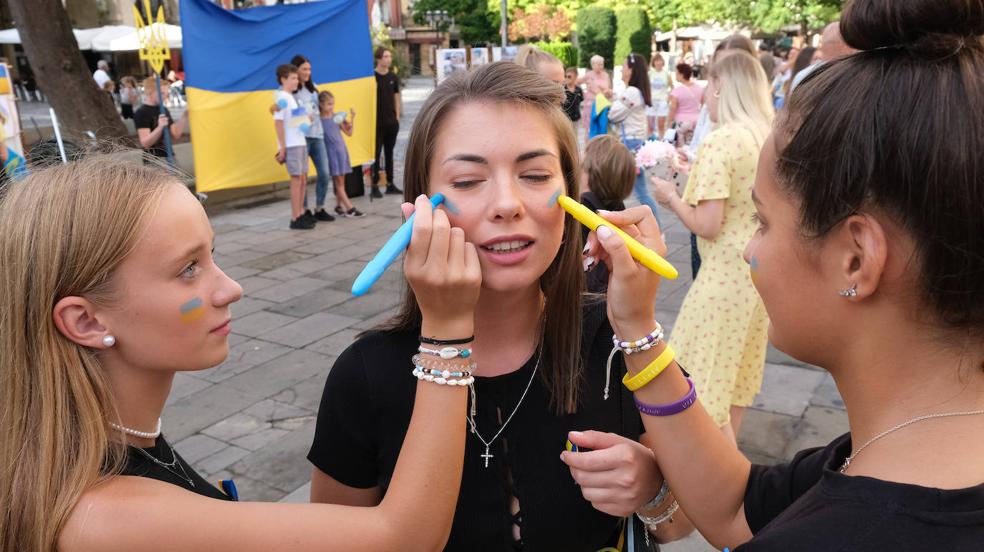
pixel 722 330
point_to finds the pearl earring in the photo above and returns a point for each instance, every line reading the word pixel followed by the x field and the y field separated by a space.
pixel 852 292
pixel 109 341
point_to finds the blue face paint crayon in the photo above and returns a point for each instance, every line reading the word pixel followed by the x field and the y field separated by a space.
pixel 450 207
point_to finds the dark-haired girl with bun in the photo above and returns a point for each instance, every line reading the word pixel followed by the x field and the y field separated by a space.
pixel 685 102
pixel 869 258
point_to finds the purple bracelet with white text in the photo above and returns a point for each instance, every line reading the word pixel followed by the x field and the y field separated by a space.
pixel 671 408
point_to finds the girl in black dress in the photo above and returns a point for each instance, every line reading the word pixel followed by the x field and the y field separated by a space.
pixel 108 289
pixel 497 144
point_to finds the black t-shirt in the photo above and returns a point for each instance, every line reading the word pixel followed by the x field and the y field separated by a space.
pixel 808 505
pixel 146 117
pixel 138 464
pixel 365 412
pixel 572 102
pixel 387 87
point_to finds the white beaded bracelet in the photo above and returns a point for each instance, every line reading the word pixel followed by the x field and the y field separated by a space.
pixel 420 374
pixel 642 344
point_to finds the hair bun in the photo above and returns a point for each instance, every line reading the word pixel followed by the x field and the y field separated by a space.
pixel 929 26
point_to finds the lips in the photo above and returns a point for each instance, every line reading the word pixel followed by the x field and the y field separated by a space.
pixel 222 329
pixel 507 250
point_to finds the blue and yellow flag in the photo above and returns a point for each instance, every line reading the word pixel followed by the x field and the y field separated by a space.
pixel 230 59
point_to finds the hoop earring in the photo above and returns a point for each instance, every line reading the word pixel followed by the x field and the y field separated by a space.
pixel 850 292
pixel 109 341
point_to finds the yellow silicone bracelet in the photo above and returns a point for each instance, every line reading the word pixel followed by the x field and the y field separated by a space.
pixel 650 372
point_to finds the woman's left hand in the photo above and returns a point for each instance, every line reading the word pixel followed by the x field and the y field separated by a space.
pixel 617 476
pixel 663 190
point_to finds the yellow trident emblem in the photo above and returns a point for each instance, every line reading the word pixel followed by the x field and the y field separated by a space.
pixel 153 41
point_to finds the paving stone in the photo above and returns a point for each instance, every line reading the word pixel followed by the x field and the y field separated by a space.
pixel 310 329
pixel 220 461
pixel 184 384
pixel 235 339
pixel 316 301
pixel 334 344
pixel 237 257
pixel 269 379
pixel 818 427
pixel 198 447
pixel 253 284
pixel 766 432
pixel 827 394
pixel 370 304
pixel 271 261
pixel 197 411
pixel 340 272
pixel 259 425
pixel 285 291
pixel 239 272
pixel 248 305
pixel 281 464
pixel 301 495
pixel 694 543
pixel 787 389
pixel 306 394
pixel 244 356
pixel 347 253
pixel 318 247
pixel 260 323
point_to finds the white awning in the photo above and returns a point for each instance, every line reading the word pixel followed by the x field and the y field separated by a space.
pixel 84 37
pixel 126 39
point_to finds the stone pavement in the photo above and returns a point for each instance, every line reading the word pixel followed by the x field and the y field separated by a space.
pixel 252 418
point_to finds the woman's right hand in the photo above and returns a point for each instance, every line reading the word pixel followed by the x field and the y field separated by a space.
pixel 444 272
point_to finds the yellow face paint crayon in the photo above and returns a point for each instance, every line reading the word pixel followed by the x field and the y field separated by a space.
pixel 647 257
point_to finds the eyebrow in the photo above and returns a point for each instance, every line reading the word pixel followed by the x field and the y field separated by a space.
pixel 192 250
pixel 472 158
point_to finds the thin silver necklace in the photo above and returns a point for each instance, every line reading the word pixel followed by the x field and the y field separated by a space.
pixel 169 466
pixel 851 458
pixel 471 419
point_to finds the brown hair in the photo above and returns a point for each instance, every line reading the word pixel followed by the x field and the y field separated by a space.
pixel 610 167
pixel 735 42
pixel 563 282
pixel 901 144
pixel 63 232
pixel 284 71
pixel 378 54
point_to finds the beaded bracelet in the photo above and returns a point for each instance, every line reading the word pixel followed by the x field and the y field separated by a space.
pixel 652 521
pixel 440 380
pixel 650 372
pixel 433 341
pixel 643 344
pixel 447 353
pixel 445 373
pixel 442 364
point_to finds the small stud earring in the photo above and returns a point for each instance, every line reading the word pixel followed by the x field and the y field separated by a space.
pixel 852 292
pixel 109 341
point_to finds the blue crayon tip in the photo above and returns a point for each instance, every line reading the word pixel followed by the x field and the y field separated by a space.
pixel 450 207
pixel 397 243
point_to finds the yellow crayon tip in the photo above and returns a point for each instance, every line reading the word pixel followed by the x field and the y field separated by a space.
pixel 646 257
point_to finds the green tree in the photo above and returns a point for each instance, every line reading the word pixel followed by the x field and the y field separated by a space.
pixel 595 34
pixel 633 33
pixel 472 17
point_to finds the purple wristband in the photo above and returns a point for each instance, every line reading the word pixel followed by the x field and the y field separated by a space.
pixel 672 408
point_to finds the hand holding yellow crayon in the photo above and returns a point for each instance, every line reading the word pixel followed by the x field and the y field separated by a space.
pixel 647 257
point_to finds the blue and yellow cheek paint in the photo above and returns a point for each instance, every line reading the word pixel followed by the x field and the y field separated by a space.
pixel 753 266
pixel 192 310
pixel 553 198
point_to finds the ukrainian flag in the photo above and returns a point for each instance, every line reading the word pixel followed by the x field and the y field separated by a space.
pixel 230 59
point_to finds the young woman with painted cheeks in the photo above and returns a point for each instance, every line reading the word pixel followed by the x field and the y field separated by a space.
pixel 108 289
pixel 869 257
pixel 495 142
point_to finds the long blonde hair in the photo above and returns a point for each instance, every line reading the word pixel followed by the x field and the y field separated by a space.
pixel 744 93
pixel 63 232
pixel 562 284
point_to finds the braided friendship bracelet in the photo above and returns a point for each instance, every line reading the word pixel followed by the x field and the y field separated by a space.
pixel 671 408
pixel 434 341
pixel 428 361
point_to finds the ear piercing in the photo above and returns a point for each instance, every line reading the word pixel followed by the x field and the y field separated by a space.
pixel 851 292
pixel 109 341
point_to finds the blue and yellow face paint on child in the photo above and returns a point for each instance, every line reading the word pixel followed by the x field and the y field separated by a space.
pixel 192 310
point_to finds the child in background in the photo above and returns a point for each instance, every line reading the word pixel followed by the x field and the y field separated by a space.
pixel 129 96
pixel 573 96
pixel 608 171
pixel 338 158
pixel 293 146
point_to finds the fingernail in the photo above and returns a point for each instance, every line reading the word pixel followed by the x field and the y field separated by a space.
pixel 604 212
pixel 587 263
pixel 604 232
pixel 585 250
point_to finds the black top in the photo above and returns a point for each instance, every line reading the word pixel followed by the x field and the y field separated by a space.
pixel 138 464
pixel 146 117
pixel 572 103
pixel 365 412
pixel 387 87
pixel 597 277
pixel 809 505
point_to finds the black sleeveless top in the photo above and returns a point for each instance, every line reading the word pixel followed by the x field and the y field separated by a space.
pixel 175 471
pixel 365 411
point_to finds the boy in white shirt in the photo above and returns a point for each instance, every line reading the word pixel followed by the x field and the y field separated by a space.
pixel 290 124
